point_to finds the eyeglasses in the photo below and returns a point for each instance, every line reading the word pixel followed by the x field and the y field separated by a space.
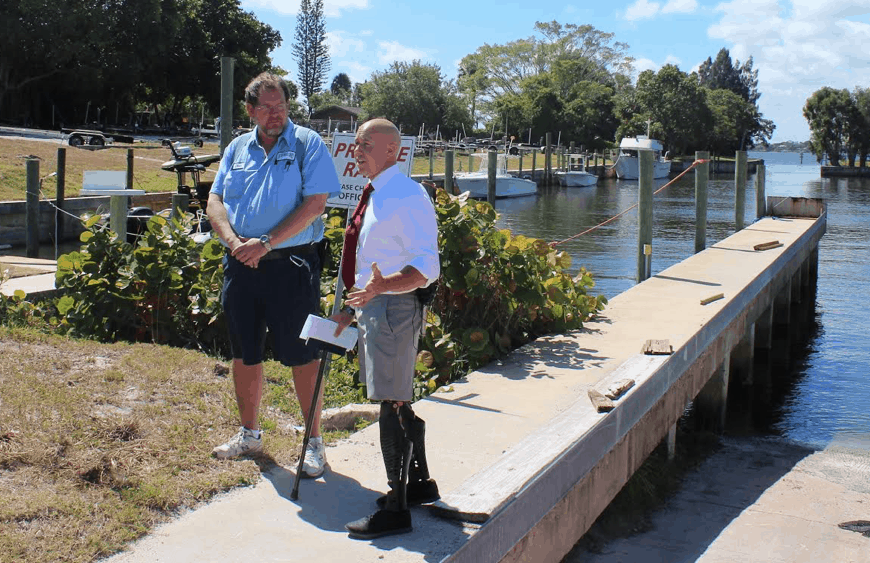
pixel 277 108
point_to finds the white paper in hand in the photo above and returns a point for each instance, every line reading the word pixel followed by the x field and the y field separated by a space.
pixel 323 330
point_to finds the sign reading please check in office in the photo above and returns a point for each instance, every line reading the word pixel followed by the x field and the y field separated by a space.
pixel 352 181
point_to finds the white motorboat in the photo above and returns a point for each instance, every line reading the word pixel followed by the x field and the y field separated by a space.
pixel 576 176
pixel 627 163
pixel 505 185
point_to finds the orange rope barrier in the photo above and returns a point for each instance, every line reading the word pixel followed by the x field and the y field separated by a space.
pixel 621 213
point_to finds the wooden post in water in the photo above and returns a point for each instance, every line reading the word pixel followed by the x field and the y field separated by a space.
pixel 31 217
pixel 520 174
pixel 534 160
pixel 740 189
pixel 760 200
pixel 644 214
pixel 548 164
pixel 491 165
pixel 129 169
pixel 59 197
pixel 431 161
pixel 702 174
pixel 226 132
pixel 448 172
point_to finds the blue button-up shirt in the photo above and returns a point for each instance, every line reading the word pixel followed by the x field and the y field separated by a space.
pixel 260 190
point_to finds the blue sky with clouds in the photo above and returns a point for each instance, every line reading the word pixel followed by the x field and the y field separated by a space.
pixel 797 46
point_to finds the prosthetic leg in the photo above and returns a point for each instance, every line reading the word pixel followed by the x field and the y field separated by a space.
pixel 396 448
pixel 421 489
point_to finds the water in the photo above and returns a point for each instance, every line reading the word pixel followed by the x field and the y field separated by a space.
pixel 824 392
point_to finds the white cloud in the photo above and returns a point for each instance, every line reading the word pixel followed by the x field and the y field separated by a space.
pixel 642 10
pixel 341 43
pixel 358 72
pixel 391 51
pixel 797 46
pixel 331 8
pixel 641 65
pixel 680 7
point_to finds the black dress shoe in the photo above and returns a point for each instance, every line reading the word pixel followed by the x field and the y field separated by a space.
pixel 381 523
pixel 419 492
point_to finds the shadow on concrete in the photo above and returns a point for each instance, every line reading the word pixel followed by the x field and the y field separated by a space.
pixel 698 282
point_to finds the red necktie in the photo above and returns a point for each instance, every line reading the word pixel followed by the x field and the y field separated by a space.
pixel 351 236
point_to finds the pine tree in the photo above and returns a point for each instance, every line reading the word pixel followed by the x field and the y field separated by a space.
pixel 310 49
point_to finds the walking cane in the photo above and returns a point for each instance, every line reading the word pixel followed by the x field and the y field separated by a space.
pixel 324 364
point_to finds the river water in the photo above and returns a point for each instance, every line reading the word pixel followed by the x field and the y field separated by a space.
pixel 823 395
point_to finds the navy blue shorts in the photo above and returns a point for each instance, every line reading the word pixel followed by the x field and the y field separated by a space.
pixel 279 295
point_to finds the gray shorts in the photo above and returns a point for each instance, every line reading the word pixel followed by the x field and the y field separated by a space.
pixel 389 334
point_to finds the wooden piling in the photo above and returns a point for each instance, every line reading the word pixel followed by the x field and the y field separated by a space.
pixel 644 211
pixel 431 162
pixel 548 163
pixel 492 163
pixel 702 175
pixel 760 199
pixel 739 189
pixel 448 172
pixel 31 218
pixel 129 169
pixel 60 192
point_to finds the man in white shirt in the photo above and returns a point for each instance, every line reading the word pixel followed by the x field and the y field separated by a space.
pixel 396 253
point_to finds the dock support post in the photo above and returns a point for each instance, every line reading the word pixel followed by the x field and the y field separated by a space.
pixel 782 306
pixel 520 174
pixel 742 356
pixel 431 162
pixel 702 175
pixel 118 205
pixel 60 194
pixel 31 217
pixel 448 172
pixel 739 190
pixel 534 162
pixel 760 181
pixel 712 401
pixel 644 212
pixel 129 169
pixel 180 203
pixel 764 329
pixel 226 132
pixel 805 274
pixel 672 442
pixel 796 286
pixel 491 164
pixel 548 162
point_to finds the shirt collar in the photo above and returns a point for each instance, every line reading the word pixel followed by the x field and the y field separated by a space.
pixel 385 176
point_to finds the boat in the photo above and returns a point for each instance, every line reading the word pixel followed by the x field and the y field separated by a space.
pixel 505 185
pixel 627 163
pixel 576 176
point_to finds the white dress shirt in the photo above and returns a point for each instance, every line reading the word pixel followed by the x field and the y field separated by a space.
pixel 399 229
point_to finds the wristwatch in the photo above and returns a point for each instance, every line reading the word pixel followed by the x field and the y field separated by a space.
pixel 264 240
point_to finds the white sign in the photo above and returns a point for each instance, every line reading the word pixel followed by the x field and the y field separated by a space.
pixel 352 181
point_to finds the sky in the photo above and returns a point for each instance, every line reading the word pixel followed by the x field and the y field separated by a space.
pixel 797 46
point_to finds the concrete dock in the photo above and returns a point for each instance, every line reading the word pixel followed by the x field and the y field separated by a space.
pixel 523 460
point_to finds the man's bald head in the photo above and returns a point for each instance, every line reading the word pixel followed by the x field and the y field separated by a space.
pixel 377 146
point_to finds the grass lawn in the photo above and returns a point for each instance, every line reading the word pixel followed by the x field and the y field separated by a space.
pixel 101 442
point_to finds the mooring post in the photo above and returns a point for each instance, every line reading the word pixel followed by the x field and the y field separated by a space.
pixel 491 164
pixel 60 192
pixel 31 217
pixel 534 160
pixel 448 172
pixel 548 163
pixel 180 205
pixel 129 169
pixel 521 164
pixel 760 199
pixel 702 174
pixel 226 132
pixel 644 214
pixel 739 189
pixel 431 161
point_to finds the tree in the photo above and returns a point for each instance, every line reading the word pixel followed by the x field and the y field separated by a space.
pixel 413 94
pixel 861 141
pixel 341 87
pixel 674 101
pixel 733 117
pixel 310 50
pixel 827 112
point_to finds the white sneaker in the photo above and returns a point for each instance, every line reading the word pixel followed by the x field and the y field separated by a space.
pixel 242 443
pixel 315 459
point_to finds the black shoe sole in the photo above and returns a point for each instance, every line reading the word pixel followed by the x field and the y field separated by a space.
pixel 363 536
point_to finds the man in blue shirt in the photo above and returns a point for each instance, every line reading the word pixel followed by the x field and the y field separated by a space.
pixel 265 205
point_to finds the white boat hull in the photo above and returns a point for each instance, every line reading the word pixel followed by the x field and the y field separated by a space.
pixel 505 186
pixel 576 179
pixel 627 168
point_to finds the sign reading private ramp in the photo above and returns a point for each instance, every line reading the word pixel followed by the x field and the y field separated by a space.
pixel 352 181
